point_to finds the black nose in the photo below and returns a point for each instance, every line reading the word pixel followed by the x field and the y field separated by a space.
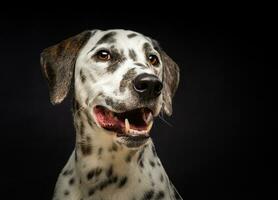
pixel 148 86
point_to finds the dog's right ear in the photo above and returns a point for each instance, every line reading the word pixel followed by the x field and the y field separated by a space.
pixel 58 63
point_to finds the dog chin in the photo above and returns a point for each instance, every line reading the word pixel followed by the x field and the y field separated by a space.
pixel 131 128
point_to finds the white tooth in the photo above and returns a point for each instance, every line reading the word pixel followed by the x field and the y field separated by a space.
pixel 144 117
pixel 149 118
pixel 127 126
pixel 149 127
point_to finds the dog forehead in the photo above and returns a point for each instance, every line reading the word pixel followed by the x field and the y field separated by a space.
pixel 118 37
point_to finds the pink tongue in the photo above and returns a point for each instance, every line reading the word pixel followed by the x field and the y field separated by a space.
pixel 106 119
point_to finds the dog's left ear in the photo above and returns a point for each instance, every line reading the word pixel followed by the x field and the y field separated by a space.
pixel 58 63
pixel 171 77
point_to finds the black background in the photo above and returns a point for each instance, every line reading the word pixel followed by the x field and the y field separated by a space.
pixel 215 147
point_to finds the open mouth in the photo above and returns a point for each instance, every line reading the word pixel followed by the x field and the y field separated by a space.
pixel 137 122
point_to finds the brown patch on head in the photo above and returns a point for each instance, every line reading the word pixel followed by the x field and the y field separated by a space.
pixel 58 63
pixel 127 79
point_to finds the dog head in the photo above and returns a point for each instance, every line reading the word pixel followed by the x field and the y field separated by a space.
pixel 122 78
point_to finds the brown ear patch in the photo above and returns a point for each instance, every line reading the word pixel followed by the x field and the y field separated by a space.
pixel 58 63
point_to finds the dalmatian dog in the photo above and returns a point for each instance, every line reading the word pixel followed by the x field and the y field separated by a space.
pixel 120 81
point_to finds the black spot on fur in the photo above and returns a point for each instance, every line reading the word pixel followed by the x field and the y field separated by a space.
pixel 86 147
pixel 71 181
pixel 152 163
pixel 131 35
pixel 127 79
pixel 122 181
pixel 82 128
pixel 100 151
pixel 98 171
pixel 89 119
pixel 154 151
pixel 114 179
pixel 104 184
pixel 107 38
pixel 109 171
pixel 66 192
pixel 113 67
pixel 140 158
pixel 117 59
pixel 159 195
pixel 128 158
pixel 161 178
pixel 94 173
pixel 82 76
pixel 139 180
pixel 148 195
pixel 91 174
pixel 132 54
pixel 91 192
pixel 114 147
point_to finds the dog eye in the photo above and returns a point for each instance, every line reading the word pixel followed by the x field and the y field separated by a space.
pixel 103 55
pixel 153 59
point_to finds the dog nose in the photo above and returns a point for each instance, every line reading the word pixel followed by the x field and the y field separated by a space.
pixel 148 86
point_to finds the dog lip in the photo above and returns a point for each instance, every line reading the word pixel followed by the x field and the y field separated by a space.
pixel 134 141
pixel 129 124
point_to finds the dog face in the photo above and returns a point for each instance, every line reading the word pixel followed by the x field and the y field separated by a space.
pixel 122 78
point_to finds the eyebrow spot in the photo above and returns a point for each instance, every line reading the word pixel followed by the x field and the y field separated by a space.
pixel 131 35
pixel 147 47
pixel 107 38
